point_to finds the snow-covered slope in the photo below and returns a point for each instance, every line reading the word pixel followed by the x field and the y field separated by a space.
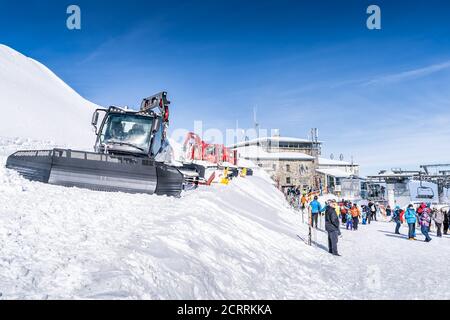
pixel 221 242
pixel 233 242
pixel 36 104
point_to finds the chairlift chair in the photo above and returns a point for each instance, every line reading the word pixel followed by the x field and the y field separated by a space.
pixel 425 192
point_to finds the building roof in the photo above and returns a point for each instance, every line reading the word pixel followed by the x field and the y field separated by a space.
pixel 337 173
pixel 273 139
pixel 330 162
pixel 258 153
pixel 390 174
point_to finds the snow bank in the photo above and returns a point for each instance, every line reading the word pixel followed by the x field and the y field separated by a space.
pixel 36 104
pixel 222 242
pixel 246 163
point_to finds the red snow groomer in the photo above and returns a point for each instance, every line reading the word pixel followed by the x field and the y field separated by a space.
pixel 193 147
pixel 196 149
pixel 207 158
pixel 229 156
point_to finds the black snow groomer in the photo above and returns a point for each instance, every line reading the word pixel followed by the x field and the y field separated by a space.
pixel 124 158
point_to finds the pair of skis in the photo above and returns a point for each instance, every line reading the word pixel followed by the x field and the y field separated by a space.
pixel 311 234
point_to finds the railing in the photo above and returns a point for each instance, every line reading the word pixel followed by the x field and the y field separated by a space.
pixel 83 155
pixel 34 153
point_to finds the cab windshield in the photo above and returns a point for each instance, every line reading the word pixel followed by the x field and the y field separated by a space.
pixel 128 130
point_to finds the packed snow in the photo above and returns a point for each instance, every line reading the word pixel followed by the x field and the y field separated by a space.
pixel 241 241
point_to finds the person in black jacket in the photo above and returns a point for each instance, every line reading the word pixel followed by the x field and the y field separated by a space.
pixel 446 220
pixel 332 227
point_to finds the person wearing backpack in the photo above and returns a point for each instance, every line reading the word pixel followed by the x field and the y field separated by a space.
pixel 388 211
pixel 397 219
pixel 425 223
pixel 438 218
pixel 316 209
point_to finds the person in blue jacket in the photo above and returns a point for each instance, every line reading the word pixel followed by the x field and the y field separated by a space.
pixel 411 219
pixel 316 209
pixel 396 218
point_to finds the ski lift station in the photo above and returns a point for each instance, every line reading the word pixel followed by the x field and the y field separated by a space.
pixel 400 187
pixel 340 178
pixel 296 162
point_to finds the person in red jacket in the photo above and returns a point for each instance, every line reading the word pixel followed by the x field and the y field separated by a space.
pixel 402 215
pixel 343 210
pixel 421 208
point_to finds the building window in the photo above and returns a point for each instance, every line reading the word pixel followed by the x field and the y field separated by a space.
pixel 303 169
pixel 288 180
pixel 210 150
pixel 288 168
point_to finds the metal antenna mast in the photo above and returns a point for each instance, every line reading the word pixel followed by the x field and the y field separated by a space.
pixel 255 122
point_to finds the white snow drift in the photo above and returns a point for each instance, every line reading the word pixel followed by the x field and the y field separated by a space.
pixel 234 242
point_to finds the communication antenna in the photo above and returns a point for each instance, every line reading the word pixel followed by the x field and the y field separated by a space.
pixel 237 131
pixel 315 140
pixel 255 121
pixel 315 153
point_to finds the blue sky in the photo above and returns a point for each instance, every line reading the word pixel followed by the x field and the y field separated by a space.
pixel 380 96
